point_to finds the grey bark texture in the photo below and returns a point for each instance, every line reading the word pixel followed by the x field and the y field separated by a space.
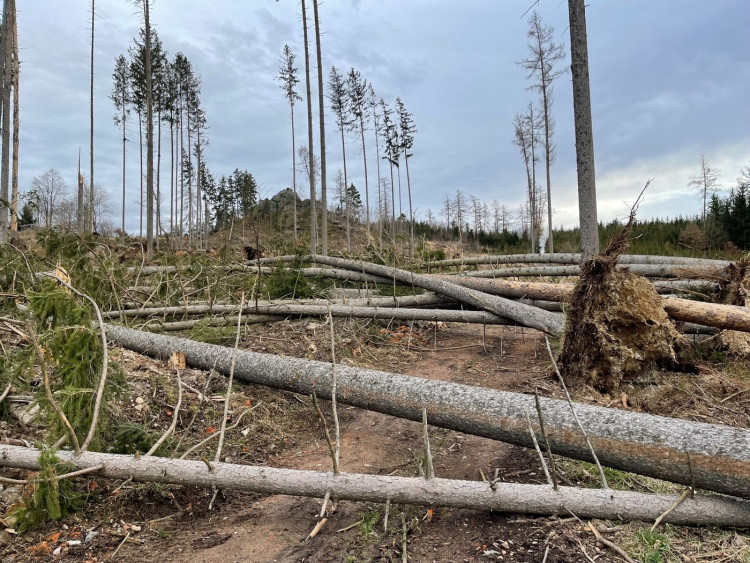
pixel 579 66
pixel 572 258
pixel 646 444
pixel 91 123
pixel 499 497
pixel 648 270
pixel 522 314
pixel 321 117
pixel 149 140
pixel 310 145
pixel 5 53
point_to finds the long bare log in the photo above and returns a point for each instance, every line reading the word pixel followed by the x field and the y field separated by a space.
pixel 425 299
pixel 640 443
pixel 728 317
pixel 276 313
pixel 567 258
pixel 500 497
pixel 648 270
pixel 522 314
pixel 514 289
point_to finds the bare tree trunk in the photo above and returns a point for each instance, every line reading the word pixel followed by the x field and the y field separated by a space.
pixel 569 258
pixel 178 166
pixel 189 154
pixel 199 207
pixel 321 109
pixel 649 270
pixel 532 201
pixel 719 456
pixel 294 174
pixel 579 66
pixel 124 140
pixel 547 164
pixel 311 171
pixel 149 139
pixel 16 72
pixel 80 218
pixel 523 314
pixel 172 180
pixel 347 207
pixel 5 52
pixel 140 146
pixel 411 212
pixel 158 179
pixel 91 131
pixel 478 495
pixel 367 183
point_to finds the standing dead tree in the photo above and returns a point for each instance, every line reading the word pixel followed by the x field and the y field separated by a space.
pixel 544 53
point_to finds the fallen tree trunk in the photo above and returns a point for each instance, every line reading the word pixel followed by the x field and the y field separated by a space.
pixel 273 313
pixel 175 326
pixel 640 443
pixel 727 317
pixel 514 289
pixel 648 270
pixel 523 314
pixel 480 495
pixel 567 258
pixel 424 299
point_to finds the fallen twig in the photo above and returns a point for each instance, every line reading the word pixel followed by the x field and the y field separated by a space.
pixel 575 415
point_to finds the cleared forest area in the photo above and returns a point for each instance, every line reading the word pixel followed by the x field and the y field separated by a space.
pixel 377 409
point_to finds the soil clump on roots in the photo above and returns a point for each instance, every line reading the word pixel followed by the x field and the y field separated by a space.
pixel 617 332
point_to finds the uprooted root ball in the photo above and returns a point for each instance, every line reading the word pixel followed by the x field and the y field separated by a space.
pixel 617 331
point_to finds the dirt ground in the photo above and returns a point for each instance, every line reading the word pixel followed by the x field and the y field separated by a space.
pixel 133 522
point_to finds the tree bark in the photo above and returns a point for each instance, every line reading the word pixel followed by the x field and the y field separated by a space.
pixel 568 258
pixel 5 53
pixel 91 130
pixel 579 66
pixel 149 138
pixel 514 289
pixel 648 270
pixel 646 444
pixel 499 497
pixel 311 171
pixel 16 69
pixel 523 314
pixel 727 317
pixel 388 302
pixel 321 110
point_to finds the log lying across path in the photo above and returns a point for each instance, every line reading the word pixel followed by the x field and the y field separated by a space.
pixel 502 497
pixel 640 443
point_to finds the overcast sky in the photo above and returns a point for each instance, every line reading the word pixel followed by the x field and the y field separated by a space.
pixel 669 81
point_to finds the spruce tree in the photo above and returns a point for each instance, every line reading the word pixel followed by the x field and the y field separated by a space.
pixel 339 98
pixel 359 105
pixel 121 97
pixel 288 78
pixel 407 130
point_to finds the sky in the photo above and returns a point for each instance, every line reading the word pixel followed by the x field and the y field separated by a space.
pixel 669 82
